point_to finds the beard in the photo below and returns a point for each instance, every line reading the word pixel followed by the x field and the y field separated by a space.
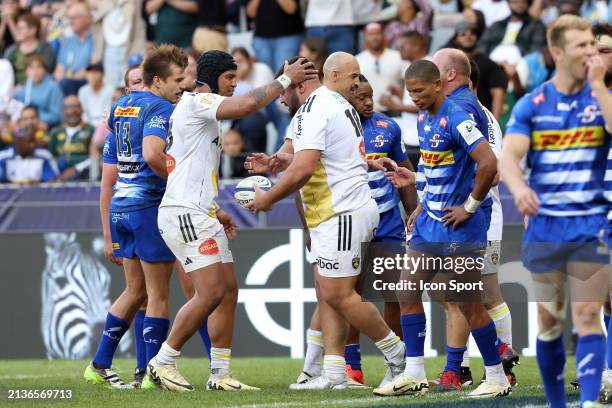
pixel 72 120
pixel 520 15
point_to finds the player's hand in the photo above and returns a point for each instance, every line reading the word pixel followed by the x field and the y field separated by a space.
pixel 260 201
pixel 257 163
pixel 387 101
pixel 596 70
pixel 526 221
pixel 395 90
pixel 382 164
pixel 229 226
pixel 109 255
pixel 401 177
pixel 280 161
pixel 455 216
pixel 527 201
pixel 301 70
pixel 410 223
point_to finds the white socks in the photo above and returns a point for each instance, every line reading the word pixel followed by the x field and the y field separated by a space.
pixel 167 355
pixel 415 367
pixel 503 322
pixel 314 352
pixel 496 374
pixel 334 369
pixel 466 357
pixel 220 361
pixel 393 348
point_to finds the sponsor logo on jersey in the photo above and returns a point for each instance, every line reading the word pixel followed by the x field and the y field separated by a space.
pixel 382 124
pixel 116 245
pixel 538 99
pixel 561 139
pixel 170 163
pixel 158 122
pixel 209 247
pixel 375 156
pixel 127 112
pixel 328 264
pixel 437 158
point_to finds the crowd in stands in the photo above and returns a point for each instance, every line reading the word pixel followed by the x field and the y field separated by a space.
pixel 64 62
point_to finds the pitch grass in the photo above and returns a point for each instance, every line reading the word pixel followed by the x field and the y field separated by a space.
pixel 273 375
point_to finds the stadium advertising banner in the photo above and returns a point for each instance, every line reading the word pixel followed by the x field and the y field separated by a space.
pixel 57 288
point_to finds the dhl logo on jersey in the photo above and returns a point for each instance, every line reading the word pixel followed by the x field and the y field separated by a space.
pixel 561 139
pixel 434 158
pixel 375 156
pixel 127 112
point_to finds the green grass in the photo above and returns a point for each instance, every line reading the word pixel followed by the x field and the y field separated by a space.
pixel 273 375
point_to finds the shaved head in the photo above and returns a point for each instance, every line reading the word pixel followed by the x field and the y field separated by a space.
pixel 341 73
pixel 450 58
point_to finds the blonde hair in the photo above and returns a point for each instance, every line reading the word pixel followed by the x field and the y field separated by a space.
pixel 556 33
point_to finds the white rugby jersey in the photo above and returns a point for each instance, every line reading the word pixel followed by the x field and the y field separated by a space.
pixel 329 123
pixel 497 217
pixel 193 152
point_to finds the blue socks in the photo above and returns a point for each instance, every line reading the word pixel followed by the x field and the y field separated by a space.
pixel 141 350
pixel 154 332
pixel 352 356
pixel 589 365
pixel 114 329
pixel 487 341
pixel 454 357
pixel 413 331
pixel 551 360
pixel 203 330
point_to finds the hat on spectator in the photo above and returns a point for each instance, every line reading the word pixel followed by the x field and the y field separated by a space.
pixel 466 26
pixel 211 65
pixel 95 67
pixel 134 60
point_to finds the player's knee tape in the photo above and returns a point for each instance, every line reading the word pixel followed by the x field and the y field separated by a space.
pixel 556 330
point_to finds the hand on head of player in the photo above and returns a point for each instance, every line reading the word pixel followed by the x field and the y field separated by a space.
pixel 301 70
pixel 401 177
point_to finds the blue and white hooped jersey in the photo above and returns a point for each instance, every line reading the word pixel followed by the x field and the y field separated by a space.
pixel 382 137
pixel 568 152
pixel 446 141
pixel 134 117
pixel 608 186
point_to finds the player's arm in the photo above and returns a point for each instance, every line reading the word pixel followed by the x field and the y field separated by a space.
pixel 109 178
pixel 515 148
pixel 155 131
pixel 237 107
pixel 297 174
pixel 153 151
pixel 300 210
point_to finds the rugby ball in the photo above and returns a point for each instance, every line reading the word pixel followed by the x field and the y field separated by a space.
pixel 244 192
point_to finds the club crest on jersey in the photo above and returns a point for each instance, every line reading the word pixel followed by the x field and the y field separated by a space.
pixel 209 247
pixel 170 163
pixel 589 114
pixel 436 140
pixel 382 124
pixel 379 141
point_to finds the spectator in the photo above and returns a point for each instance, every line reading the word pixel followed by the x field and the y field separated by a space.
pixel 42 91
pixel 59 27
pixel 476 18
pixel 8 79
pixel 532 70
pixel 314 50
pixel 29 118
pixel 95 96
pixel 211 33
pixel 333 22
pixel 44 10
pixel 27 44
pixel 232 160
pixel 119 31
pixel 508 40
pixel 596 11
pixel 77 50
pixel 251 74
pixel 493 10
pixel 549 10
pixel 409 19
pixel 69 142
pixel 278 30
pixel 24 163
pixel 382 66
pixel 8 23
pixel 176 20
pixel 493 82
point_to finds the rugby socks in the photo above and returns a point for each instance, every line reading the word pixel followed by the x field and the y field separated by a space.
pixel 454 358
pixel 203 330
pixel 503 322
pixel 488 343
pixel 314 352
pixel 413 330
pixel 154 332
pixel 220 361
pixel 551 360
pixel 114 329
pixel 466 358
pixel 167 355
pixel 140 345
pixel 352 355
pixel 392 348
pixel 589 365
pixel 334 369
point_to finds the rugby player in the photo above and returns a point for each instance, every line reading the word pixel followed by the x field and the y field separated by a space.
pixel 189 219
pixel 329 167
pixel 138 120
pixel 450 224
pixel 560 126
